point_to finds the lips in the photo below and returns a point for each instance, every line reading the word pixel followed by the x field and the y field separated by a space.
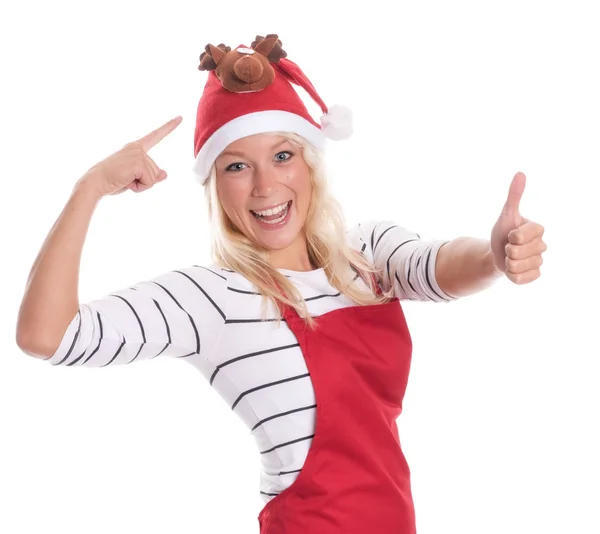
pixel 273 210
pixel 274 215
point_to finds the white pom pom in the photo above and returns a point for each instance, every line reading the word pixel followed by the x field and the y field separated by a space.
pixel 337 123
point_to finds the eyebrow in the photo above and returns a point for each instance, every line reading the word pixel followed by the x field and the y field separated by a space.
pixel 241 155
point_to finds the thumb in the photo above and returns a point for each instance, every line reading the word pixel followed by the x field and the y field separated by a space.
pixel 515 192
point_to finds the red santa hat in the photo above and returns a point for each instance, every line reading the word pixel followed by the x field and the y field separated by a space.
pixel 249 91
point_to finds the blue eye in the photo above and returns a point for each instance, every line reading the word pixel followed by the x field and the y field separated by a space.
pixel 234 167
pixel 284 153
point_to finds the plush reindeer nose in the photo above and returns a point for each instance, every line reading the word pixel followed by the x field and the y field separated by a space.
pixel 248 69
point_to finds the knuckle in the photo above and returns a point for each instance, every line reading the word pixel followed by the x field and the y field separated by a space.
pixel 511 250
pixel 137 149
pixel 133 145
pixel 512 277
pixel 519 279
pixel 512 265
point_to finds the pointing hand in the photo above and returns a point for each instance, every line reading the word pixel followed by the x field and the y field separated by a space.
pixel 131 167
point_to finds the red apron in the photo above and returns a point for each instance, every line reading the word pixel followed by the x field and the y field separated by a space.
pixel 355 479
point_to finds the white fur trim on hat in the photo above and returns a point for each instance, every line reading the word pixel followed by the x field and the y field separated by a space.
pixel 336 124
pixel 250 124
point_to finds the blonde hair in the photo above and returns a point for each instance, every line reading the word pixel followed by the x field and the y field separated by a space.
pixel 326 242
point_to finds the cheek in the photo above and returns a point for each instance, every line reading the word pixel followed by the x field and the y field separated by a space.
pixel 304 195
pixel 233 197
pixel 299 182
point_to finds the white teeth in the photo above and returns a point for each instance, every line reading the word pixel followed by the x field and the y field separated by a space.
pixel 275 221
pixel 271 211
pixel 283 209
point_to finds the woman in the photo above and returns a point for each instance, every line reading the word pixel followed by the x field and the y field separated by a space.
pixel 321 389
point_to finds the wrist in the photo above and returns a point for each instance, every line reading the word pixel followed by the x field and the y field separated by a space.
pixel 492 268
pixel 87 186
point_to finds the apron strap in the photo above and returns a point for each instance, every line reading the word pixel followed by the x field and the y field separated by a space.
pixel 378 290
pixel 288 312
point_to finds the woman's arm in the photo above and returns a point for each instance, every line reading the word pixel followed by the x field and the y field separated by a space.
pixel 465 266
pixel 51 297
pixel 406 262
pixel 179 313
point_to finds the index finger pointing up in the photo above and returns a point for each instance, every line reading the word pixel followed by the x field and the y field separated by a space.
pixel 153 138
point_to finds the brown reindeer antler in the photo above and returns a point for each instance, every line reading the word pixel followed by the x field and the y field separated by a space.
pixel 269 46
pixel 244 70
pixel 209 59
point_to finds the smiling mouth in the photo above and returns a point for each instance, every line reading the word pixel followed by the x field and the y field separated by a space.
pixel 273 215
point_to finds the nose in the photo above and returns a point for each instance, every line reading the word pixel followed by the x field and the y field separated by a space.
pixel 265 182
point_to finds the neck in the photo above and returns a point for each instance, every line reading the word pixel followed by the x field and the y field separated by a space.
pixel 293 258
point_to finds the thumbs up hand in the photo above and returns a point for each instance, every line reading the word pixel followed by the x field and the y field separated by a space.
pixel 516 242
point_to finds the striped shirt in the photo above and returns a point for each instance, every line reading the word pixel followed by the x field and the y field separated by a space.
pixel 213 319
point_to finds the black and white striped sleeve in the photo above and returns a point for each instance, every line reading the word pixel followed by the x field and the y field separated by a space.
pixel 177 314
pixel 407 261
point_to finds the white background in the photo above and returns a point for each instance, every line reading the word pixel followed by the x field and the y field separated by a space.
pixel 450 100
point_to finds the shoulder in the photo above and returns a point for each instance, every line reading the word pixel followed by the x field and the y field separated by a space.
pixel 222 282
pixel 209 280
pixel 368 234
pixel 209 276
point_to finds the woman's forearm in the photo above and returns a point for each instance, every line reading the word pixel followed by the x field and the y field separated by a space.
pixel 51 297
pixel 465 266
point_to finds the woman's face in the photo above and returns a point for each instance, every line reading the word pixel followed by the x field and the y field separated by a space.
pixel 264 187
